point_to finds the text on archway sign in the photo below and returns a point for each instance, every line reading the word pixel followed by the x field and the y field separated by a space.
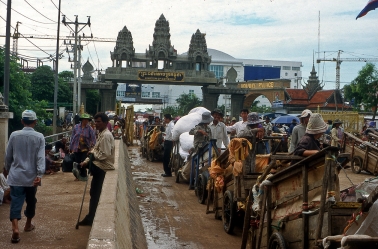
pixel 161 76
pixel 257 85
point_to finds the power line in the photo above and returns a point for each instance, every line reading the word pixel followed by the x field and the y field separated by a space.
pixel 26 16
pixel 61 11
pixel 95 49
pixel 39 12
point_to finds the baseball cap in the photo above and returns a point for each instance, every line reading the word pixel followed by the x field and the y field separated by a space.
pixel 29 115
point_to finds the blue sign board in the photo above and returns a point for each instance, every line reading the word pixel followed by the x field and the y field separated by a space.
pixel 261 73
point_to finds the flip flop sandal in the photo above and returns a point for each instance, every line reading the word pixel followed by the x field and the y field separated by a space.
pixel 31 228
pixel 15 240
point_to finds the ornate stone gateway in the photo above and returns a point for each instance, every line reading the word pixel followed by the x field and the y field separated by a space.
pixel 160 64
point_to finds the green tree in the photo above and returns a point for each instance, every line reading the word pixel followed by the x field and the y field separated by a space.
pixel 42 84
pixel 187 102
pixel 93 100
pixel 364 88
pixel 173 110
pixel 64 89
pixel 20 97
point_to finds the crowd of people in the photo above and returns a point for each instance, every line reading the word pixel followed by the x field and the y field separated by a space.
pixel 28 158
pixel 308 136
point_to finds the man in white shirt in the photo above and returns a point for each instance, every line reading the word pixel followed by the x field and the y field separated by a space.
pixel 238 126
pixel 168 144
pixel 218 129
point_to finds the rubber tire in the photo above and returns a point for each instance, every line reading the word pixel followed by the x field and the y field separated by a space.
pixel 201 188
pixel 228 212
pixel 356 160
pixel 276 241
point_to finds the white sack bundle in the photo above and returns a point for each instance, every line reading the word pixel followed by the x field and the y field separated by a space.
pixel 198 110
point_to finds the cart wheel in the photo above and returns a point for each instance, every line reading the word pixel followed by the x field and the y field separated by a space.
pixel 276 241
pixel 228 212
pixel 356 164
pixel 201 188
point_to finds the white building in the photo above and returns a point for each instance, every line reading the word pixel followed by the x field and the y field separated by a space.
pixel 247 69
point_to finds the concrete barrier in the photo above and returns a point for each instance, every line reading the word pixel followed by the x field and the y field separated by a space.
pixel 118 222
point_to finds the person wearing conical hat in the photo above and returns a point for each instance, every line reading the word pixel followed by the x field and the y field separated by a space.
pixel 335 133
pixel 83 139
pixel 309 144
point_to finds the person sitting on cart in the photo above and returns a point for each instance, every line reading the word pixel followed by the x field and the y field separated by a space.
pixel 253 128
pixel 309 144
pixel 299 130
pixel 219 130
pixel 202 132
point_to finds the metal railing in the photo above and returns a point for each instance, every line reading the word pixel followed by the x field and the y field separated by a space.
pixel 55 137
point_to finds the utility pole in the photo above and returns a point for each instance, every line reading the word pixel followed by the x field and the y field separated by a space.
pixel 56 73
pixel 79 75
pixel 76 30
pixel 7 55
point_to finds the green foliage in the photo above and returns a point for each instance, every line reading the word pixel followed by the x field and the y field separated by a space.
pixel 259 109
pixel 93 100
pixel 187 102
pixel 173 110
pixel 42 84
pixel 64 89
pixel 364 88
pixel 20 97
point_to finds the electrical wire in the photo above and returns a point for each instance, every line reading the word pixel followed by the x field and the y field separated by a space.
pixel 90 55
pixel 96 49
pixel 61 11
pixel 26 16
pixel 39 12
pixel 34 44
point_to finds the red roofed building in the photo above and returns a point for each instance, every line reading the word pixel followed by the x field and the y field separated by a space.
pixel 312 96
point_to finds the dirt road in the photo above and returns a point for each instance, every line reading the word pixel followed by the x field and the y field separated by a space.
pixel 172 216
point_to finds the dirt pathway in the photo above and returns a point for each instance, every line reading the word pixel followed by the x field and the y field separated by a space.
pixel 58 206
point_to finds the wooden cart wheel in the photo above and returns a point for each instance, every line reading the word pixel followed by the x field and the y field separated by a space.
pixel 276 241
pixel 356 164
pixel 229 210
pixel 201 188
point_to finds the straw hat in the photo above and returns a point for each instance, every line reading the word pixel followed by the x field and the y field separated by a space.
pixel 316 124
pixel 233 119
pixel 253 118
pixel 206 118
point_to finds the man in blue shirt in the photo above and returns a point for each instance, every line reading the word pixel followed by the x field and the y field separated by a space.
pixel 24 166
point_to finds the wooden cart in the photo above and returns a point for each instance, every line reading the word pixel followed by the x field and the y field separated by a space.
pixel 300 205
pixel 152 142
pixel 364 155
pixel 230 200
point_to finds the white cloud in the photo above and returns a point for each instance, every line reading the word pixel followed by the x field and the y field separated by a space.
pixel 256 29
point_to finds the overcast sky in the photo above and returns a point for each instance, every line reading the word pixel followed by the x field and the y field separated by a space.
pixel 254 29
